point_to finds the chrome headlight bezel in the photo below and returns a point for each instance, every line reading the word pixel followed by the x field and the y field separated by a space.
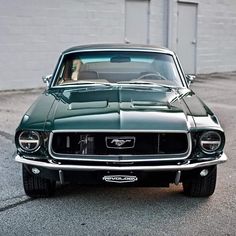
pixel 211 137
pixel 35 140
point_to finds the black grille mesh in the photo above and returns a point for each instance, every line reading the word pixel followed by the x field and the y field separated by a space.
pixel 95 143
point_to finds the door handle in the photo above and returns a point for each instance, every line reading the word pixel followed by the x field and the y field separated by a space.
pixel 194 42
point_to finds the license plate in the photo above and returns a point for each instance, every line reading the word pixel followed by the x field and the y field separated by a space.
pixel 120 178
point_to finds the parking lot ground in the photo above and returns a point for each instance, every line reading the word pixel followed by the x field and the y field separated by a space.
pixel 76 210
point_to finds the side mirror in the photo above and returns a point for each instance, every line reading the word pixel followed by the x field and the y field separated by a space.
pixel 190 79
pixel 46 79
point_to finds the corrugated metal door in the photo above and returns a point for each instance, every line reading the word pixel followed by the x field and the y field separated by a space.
pixel 137 21
pixel 187 36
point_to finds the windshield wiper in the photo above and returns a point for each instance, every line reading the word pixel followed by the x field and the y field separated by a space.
pixel 141 82
pixel 135 82
pixel 86 83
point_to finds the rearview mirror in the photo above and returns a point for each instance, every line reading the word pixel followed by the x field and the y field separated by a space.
pixel 120 59
pixel 190 79
pixel 46 79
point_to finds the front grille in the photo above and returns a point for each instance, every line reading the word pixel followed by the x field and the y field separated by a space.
pixel 75 143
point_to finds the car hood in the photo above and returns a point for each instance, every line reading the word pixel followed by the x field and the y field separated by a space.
pixel 118 108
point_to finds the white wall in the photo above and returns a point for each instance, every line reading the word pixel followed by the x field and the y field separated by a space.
pixel 216 36
pixel 216 42
pixel 33 33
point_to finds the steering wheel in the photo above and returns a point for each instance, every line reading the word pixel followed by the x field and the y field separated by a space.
pixel 151 75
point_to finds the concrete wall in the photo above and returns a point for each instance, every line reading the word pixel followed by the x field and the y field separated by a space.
pixel 33 33
pixel 216 34
pixel 216 49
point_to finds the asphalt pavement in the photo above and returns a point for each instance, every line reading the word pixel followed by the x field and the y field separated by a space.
pixel 76 210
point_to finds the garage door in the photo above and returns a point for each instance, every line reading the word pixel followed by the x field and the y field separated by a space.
pixel 137 21
pixel 187 36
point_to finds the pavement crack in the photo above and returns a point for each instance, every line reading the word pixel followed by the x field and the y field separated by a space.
pixel 6 135
pixel 14 202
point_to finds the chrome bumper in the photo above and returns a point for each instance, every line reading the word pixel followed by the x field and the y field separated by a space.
pixel 54 166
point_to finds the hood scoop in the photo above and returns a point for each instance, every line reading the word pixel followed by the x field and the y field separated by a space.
pixel 150 104
pixel 87 105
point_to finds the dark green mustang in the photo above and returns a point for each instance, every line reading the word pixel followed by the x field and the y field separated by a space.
pixel 119 115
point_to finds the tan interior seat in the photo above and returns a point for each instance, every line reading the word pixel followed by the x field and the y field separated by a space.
pixel 88 75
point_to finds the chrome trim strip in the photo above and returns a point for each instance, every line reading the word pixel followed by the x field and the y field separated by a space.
pixel 119 131
pixel 154 50
pixel 102 158
pixel 58 66
pixel 180 71
pixel 53 166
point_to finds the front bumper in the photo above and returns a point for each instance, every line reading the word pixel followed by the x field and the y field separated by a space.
pixel 70 167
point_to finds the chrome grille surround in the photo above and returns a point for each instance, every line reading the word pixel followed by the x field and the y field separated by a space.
pixel 124 157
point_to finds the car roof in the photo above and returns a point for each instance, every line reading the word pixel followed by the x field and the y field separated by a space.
pixel 107 47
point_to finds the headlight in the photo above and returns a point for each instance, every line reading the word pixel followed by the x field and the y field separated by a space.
pixel 210 141
pixel 29 141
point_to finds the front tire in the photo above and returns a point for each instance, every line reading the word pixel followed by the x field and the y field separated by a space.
pixel 35 186
pixel 200 186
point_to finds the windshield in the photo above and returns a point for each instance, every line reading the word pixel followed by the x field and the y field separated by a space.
pixel 118 67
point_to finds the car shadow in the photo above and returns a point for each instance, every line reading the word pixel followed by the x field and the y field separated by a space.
pixel 113 207
pixel 128 195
